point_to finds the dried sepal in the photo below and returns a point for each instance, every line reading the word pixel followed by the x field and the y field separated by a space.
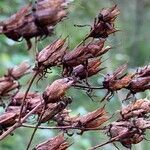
pixel 52 109
pixel 57 90
pixel 92 119
pixel 116 81
pixel 56 143
pixel 31 98
pixel 139 84
pixel 126 133
pixel 9 117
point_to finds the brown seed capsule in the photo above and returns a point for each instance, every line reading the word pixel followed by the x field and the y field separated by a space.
pixel 19 71
pixel 57 89
pixel 137 109
pixel 51 55
pixel 93 68
pixel 7 85
pixel 93 119
pixel 104 23
pixel 82 54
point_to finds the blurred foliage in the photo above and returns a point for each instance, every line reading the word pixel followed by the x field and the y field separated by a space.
pixel 131 45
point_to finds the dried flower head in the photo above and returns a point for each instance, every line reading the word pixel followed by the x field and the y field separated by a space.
pixel 126 133
pixel 93 119
pixel 7 85
pixel 8 118
pixel 116 81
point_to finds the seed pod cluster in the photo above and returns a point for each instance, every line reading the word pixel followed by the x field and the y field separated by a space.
pixel 135 82
pixel 34 20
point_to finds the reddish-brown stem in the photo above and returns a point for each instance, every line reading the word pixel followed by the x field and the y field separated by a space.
pixel 26 93
pixel 36 127
pixel 88 87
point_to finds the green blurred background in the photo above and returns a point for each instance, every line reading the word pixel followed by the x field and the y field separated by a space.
pixel 131 45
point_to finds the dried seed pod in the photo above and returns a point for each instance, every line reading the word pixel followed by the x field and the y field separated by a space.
pixel 117 81
pixel 126 133
pixel 57 89
pixel 104 23
pixel 138 109
pixel 143 72
pixel 53 109
pixel 7 85
pixel 56 143
pixel 19 71
pixel 34 20
pixel 8 118
pixel 31 98
pixel 139 84
pixel 93 68
pixel 51 55
pixel 93 119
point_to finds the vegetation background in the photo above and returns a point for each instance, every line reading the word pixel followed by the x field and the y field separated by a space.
pixel 131 45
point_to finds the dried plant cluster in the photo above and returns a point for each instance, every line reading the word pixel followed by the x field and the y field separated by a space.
pixel 85 60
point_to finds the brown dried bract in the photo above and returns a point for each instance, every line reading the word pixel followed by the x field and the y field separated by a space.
pixel 35 20
pixel 91 120
pixel 126 133
pixel 57 89
pixel 56 143
pixel 9 118
pixel 139 84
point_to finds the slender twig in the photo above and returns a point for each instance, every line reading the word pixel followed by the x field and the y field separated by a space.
pixel 61 127
pixel 26 93
pixel 36 127
pixel 87 87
